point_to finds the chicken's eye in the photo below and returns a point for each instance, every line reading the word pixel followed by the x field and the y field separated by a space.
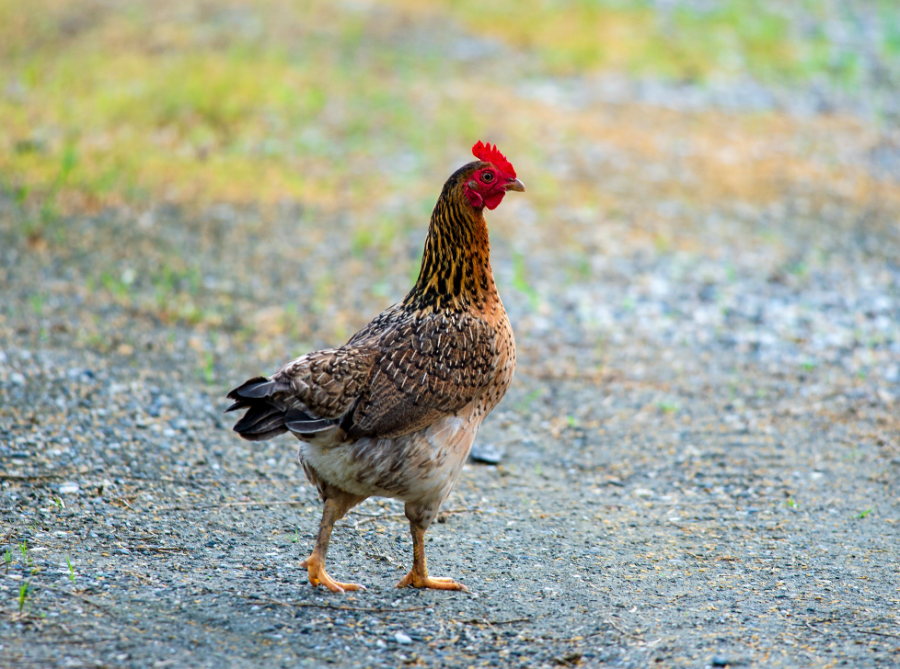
pixel 487 177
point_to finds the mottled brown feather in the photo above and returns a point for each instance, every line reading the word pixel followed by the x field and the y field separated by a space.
pixel 447 350
pixel 402 377
pixel 394 412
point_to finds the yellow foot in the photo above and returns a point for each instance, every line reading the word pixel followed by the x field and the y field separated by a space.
pixel 415 580
pixel 318 576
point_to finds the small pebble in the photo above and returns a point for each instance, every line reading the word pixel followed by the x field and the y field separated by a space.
pixel 487 453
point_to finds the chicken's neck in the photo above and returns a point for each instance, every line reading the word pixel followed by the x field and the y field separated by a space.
pixel 456 263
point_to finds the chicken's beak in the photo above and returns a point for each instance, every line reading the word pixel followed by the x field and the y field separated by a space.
pixel 515 184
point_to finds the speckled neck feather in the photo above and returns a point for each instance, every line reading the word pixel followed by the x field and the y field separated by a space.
pixel 456 265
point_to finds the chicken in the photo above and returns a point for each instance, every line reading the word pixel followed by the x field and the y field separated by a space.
pixel 394 411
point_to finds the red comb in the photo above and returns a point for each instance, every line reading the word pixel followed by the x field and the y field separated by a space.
pixel 490 154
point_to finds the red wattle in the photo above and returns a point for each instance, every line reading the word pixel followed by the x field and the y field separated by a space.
pixel 493 199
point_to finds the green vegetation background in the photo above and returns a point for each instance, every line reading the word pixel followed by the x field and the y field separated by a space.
pixel 272 100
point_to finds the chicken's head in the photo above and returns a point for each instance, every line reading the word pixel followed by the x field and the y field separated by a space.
pixel 491 178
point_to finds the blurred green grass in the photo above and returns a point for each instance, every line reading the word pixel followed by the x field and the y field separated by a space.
pixel 266 101
pixel 572 36
pixel 158 101
pixel 353 113
pixel 680 40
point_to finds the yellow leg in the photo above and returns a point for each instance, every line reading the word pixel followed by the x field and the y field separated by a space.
pixel 418 576
pixel 335 508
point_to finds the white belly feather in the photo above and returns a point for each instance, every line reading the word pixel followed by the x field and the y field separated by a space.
pixel 419 467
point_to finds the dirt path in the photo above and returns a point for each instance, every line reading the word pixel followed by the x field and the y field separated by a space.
pixel 701 448
pixel 701 460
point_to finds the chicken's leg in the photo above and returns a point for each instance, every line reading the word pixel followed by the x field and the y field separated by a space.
pixel 418 576
pixel 336 505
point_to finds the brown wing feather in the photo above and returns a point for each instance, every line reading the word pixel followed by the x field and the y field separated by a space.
pixel 406 373
pixel 429 366
pixel 326 383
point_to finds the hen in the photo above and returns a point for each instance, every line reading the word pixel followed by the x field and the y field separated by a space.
pixel 394 411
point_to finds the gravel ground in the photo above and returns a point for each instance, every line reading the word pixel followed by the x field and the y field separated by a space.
pixel 700 465
pixel 698 458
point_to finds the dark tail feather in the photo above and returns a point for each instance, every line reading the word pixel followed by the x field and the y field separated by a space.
pixel 262 420
pixel 255 389
pixel 301 422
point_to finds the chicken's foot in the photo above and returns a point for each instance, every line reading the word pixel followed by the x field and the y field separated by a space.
pixel 418 576
pixel 335 508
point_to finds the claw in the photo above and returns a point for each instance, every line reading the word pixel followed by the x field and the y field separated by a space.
pixel 318 576
pixel 416 580
pixel 418 576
